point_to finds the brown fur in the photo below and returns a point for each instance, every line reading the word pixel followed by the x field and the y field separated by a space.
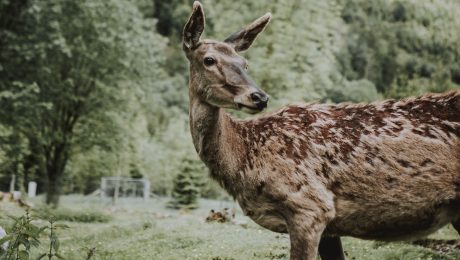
pixel 313 170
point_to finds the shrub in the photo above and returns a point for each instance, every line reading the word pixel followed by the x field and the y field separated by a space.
pixel 62 214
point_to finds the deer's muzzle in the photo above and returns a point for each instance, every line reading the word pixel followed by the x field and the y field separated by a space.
pixel 260 100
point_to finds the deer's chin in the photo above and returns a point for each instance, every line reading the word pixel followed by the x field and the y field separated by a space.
pixel 248 109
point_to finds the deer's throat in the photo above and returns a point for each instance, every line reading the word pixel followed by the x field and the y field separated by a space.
pixel 215 138
pixel 204 125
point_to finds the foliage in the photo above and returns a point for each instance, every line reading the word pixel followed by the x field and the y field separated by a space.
pixel 63 214
pixel 54 241
pixel 25 234
pixel 71 67
pixel 402 46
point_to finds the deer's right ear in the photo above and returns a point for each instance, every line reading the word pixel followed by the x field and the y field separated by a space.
pixel 194 27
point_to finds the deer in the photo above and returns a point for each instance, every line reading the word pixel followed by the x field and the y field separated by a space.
pixel 387 170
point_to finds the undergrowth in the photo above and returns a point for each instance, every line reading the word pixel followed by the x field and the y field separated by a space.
pixel 62 214
pixel 25 233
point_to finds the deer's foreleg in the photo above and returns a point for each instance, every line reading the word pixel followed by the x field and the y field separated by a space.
pixel 305 234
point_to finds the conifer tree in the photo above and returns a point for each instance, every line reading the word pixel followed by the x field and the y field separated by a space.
pixel 187 185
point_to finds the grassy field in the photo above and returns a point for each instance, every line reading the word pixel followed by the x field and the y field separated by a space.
pixel 134 229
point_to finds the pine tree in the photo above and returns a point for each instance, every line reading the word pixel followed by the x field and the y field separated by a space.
pixel 187 185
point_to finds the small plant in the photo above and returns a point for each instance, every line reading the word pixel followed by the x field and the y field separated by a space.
pixel 53 250
pixel 25 234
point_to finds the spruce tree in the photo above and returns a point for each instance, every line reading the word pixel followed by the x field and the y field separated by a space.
pixel 187 185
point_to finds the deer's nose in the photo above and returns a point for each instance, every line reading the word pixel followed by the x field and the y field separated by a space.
pixel 260 99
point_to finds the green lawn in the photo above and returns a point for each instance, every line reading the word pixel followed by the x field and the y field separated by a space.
pixel 147 230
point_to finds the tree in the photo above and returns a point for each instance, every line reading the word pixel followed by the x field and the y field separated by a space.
pixel 400 46
pixel 187 186
pixel 71 69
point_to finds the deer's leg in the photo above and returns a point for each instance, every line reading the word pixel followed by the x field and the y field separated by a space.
pixel 305 234
pixel 330 248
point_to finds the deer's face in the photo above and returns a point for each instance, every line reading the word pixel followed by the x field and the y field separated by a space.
pixel 223 78
pixel 219 73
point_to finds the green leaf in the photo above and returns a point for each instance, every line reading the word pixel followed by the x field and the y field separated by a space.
pixel 24 241
pixel 41 256
pixel 23 255
pixel 31 232
pixel 34 242
pixel 59 256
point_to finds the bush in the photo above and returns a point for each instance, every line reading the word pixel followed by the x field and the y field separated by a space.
pixel 61 214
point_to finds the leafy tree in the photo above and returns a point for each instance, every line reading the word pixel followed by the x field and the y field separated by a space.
pixel 70 70
pixel 402 46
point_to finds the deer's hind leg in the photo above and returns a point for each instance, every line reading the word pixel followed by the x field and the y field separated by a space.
pixel 330 248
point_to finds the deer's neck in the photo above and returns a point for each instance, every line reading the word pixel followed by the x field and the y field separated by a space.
pixel 216 140
pixel 214 133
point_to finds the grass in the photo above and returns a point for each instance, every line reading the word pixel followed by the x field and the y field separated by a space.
pixel 148 230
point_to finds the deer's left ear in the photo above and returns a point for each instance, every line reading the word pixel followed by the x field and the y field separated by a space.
pixel 243 39
pixel 194 27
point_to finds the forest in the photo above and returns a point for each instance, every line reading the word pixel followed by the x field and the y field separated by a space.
pixel 94 88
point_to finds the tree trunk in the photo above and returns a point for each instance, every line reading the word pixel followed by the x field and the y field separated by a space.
pixel 53 192
pixel 55 165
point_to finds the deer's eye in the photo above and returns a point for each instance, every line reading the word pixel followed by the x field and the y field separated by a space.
pixel 208 61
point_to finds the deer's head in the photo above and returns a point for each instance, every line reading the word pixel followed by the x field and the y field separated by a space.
pixel 218 73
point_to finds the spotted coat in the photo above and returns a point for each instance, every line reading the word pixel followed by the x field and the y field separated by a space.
pixel 394 165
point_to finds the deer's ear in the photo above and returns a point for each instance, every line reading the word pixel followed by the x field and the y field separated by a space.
pixel 194 27
pixel 243 39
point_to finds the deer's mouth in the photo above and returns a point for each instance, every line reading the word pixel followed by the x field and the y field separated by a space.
pixel 249 109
